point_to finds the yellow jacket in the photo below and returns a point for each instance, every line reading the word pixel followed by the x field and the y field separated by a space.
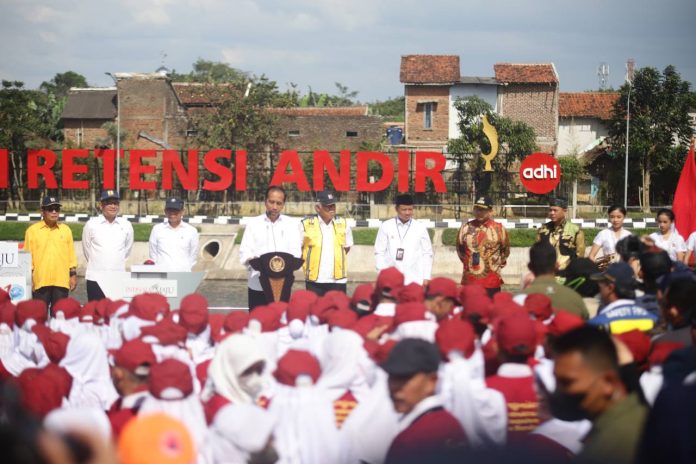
pixel 312 244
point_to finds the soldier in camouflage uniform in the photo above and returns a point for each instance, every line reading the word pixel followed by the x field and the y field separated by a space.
pixel 564 236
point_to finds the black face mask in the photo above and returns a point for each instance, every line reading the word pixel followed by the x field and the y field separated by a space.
pixel 566 407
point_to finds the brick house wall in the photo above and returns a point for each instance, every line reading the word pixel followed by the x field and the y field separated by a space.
pixel 417 97
pixel 150 105
pixel 535 105
pixel 333 133
pixel 84 133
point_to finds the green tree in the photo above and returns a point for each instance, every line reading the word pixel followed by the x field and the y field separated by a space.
pixel 660 127
pixel 62 82
pixel 206 71
pixel 515 140
pixel 392 109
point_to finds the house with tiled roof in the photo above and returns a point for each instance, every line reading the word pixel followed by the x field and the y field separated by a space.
pixel 529 93
pixel 583 118
pixel 432 84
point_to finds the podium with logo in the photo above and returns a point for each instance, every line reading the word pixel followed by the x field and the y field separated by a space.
pixel 149 279
pixel 276 269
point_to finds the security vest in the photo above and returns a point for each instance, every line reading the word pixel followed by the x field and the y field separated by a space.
pixel 312 244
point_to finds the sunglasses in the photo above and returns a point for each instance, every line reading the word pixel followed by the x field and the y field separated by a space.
pixel 52 209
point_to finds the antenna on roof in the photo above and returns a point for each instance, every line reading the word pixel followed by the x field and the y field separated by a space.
pixel 603 75
pixel 163 70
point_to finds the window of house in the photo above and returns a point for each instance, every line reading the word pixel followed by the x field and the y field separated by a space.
pixel 79 137
pixel 191 133
pixel 351 133
pixel 428 115
pixel 294 133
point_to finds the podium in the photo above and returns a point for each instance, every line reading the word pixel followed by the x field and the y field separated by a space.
pixel 149 279
pixel 277 276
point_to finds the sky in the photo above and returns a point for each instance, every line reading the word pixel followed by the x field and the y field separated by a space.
pixel 315 43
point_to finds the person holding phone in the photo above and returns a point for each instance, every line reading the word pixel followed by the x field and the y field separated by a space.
pixel 483 247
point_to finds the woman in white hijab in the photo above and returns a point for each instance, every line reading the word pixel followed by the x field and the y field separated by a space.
pixel 86 361
pixel 235 373
pixel 241 433
pixel 171 391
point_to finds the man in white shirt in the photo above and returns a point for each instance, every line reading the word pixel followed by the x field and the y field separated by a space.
pixel 327 240
pixel 174 243
pixel 267 233
pixel 405 244
pixel 107 241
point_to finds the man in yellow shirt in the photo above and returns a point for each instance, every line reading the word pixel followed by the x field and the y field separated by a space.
pixel 53 257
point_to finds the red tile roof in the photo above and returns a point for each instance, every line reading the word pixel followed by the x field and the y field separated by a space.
pixel 587 104
pixel 192 93
pixel 525 73
pixel 323 111
pixel 429 69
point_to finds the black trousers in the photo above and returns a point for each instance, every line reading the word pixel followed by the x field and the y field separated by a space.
pixel 50 294
pixel 256 298
pixel 321 288
pixel 94 291
pixel 492 291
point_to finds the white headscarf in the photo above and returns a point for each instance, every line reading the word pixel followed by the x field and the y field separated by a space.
pixel 342 365
pixel 130 327
pixel 199 345
pixel 424 330
pixel 237 431
pixel 7 340
pixel 91 420
pixel 233 356
pixel 86 361
pixel 188 410
pixel 306 430
pixel 371 427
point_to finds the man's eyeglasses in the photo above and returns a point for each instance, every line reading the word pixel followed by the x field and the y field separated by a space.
pixel 110 202
pixel 52 209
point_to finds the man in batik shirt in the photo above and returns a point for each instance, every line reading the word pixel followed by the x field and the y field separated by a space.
pixel 483 246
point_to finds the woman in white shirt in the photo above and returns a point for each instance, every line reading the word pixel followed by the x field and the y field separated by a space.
pixel 667 238
pixel 606 239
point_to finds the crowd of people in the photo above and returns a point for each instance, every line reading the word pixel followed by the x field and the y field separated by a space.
pixel 593 360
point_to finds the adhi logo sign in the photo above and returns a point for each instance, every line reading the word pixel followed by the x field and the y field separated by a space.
pixel 540 173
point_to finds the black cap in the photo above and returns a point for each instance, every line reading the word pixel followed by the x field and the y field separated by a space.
pixel 404 199
pixel 484 201
pixel 174 203
pixel 619 273
pixel 109 195
pixel 326 198
pixel 50 201
pixel 560 202
pixel 411 356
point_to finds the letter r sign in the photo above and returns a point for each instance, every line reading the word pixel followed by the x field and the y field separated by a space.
pixel 540 173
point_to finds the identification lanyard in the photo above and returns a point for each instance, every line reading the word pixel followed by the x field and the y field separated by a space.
pixel 401 239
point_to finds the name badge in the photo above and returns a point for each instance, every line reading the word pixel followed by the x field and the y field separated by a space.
pixel 399 254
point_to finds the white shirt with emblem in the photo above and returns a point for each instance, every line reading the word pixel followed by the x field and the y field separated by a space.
pixel 174 249
pixel 411 237
pixel 106 245
pixel 263 236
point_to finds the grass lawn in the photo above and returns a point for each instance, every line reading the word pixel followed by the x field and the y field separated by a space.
pixel 15 230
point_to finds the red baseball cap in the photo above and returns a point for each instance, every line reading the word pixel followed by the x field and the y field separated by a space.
pixel 539 306
pixel 563 322
pixel 300 303
pixel 323 307
pixel 267 318
pixel 88 313
pixel 342 300
pixel 478 308
pixel 7 314
pixel 389 282
pixel 101 311
pixel 55 343
pixel 149 307
pixel 170 380
pixel 4 296
pixel 31 309
pixel 39 394
pixel 235 321
pixel 295 363
pixel 638 343
pixel 279 307
pixel 411 293
pixel 442 286
pixel 471 291
pixel 193 313
pixel 166 332
pixel 455 335
pixel 70 308
pixel 409 312
pixel 362 298
pixel 135 356
pixel 343 318
pixel 516 335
